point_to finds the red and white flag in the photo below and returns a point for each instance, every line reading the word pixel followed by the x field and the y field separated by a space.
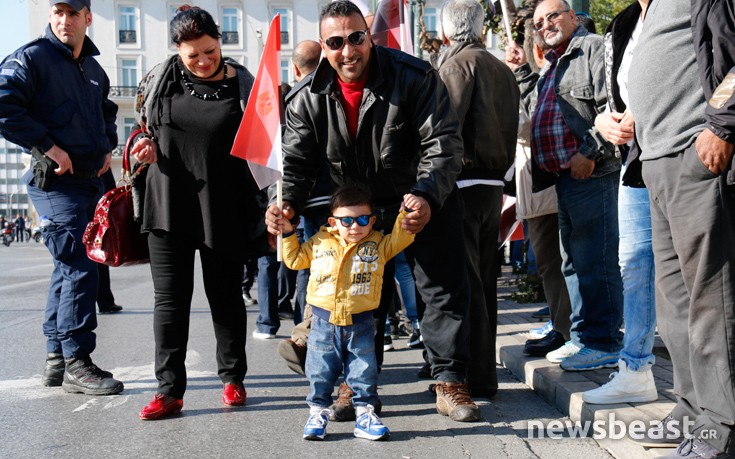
pixel 258 138
pixel 390 26
pixel 510 227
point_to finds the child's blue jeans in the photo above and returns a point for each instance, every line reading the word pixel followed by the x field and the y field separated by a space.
pixel 332 349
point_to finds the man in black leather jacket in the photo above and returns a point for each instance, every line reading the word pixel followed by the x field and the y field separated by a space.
pixel 381 119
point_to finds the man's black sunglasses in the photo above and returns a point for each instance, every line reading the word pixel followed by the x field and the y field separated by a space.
pixel 362 220
pixel 355 39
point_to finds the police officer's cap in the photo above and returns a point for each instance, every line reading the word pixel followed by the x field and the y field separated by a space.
pixel 76 4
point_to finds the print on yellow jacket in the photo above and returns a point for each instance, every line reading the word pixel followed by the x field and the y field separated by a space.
pixel 346 278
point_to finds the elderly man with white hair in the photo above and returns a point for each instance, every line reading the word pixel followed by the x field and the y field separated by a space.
pixel 485 95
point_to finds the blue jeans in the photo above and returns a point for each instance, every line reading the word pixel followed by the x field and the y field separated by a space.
pixel 407 286
pixel 70 316
pixel 268 320
pixel 531 268
pixel 636 266
pixel 588 229
pixel 518 258
pixel 332 349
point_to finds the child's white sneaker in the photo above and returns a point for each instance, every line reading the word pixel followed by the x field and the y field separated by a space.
pixel 316 425
pixel 369 425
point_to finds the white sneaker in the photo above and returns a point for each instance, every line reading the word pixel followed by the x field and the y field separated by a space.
pixel 625 386
pixel 260 335
pixel 569 349
pixel 541 332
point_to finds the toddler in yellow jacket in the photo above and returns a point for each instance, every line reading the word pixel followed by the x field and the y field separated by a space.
pixel 346 259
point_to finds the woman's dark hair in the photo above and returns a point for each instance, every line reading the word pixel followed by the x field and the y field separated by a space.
pixel 191 23
pixel 350 196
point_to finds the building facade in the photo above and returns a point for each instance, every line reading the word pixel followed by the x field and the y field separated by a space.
pixel 13 197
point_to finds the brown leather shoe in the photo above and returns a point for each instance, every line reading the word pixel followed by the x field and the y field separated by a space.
pixel 294 355
pixel 453 400
pixel 342 410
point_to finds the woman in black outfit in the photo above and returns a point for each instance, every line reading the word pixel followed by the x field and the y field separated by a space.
pixel 191 106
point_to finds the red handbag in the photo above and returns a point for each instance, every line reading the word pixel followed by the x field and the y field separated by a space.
pixel 113 236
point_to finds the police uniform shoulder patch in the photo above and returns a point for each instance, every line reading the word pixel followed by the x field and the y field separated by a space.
pixel 368 251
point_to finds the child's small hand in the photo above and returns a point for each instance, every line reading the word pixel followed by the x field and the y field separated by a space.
pixel 287 226
pixel 411 203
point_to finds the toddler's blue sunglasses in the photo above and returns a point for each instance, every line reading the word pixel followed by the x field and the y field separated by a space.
pixel 362 220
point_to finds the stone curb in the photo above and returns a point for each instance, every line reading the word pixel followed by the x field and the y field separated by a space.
pixel 564 389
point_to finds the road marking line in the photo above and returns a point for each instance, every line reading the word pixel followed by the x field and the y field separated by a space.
pixel 85 405
pixel 24 284
pixel 19 321
pixel 34 267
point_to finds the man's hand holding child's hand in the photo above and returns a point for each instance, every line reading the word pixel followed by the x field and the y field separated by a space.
pixel 419 213
pixel 287 226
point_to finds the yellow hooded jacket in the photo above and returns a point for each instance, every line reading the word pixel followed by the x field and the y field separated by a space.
pixel 346 278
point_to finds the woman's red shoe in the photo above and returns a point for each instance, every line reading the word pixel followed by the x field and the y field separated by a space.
pixel 161 406
pixel 234 394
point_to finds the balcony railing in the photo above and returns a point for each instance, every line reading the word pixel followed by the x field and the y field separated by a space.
pixel 230 38
pixel 123 92
pixel 127 36
pixel 284 37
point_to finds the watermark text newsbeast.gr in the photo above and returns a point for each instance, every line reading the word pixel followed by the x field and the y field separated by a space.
pixel 615 429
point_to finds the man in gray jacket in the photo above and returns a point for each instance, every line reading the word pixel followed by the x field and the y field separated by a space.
pixel 568 150
pixel 485 95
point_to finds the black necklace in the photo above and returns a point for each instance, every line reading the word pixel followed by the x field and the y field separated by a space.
pixel 216 95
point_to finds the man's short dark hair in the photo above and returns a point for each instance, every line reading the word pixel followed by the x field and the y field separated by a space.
pixel 341 9
pixel 350 196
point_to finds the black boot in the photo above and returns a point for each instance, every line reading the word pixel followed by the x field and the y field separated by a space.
pixel 53 374
pixel 83 376
pixel 110 309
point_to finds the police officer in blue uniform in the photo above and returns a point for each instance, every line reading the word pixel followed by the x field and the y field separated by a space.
pixel 54 102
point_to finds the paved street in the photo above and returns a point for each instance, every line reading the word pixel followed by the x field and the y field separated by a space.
pixel 46 422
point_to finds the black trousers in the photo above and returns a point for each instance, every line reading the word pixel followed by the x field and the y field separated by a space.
pixel 105 298
pixel 483 205
pixel 693 222
pixel 172 268
pixel 441 280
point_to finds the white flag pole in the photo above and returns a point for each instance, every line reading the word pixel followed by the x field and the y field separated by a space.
pixel 506 20
pixel 279 203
